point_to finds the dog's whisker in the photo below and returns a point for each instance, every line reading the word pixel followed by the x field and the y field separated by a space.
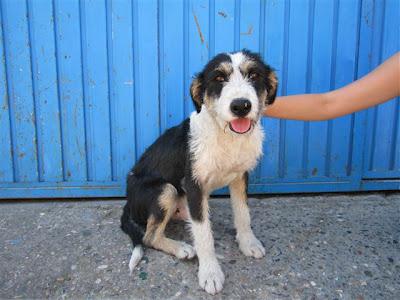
pixel 226 125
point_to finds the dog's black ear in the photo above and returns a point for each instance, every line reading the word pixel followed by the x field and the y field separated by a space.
pixel 272 87
pixel 196 92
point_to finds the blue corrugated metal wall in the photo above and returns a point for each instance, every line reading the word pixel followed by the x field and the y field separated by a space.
pixel 86 86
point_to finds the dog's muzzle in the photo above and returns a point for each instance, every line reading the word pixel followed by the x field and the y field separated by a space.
pixel 240 108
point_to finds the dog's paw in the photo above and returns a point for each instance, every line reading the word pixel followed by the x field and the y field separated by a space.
pixel 185 251
pixel 251 246
pixel 211 278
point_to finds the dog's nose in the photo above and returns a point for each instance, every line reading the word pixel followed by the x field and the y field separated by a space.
pixel 240 107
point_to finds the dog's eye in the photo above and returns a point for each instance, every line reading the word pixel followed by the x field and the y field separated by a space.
pixel 220 78
pixel 253 75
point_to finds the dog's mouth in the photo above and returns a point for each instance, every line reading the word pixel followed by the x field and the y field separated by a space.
pixel 240 125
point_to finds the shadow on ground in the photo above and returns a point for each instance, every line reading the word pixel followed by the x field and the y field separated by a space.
pixel 321 247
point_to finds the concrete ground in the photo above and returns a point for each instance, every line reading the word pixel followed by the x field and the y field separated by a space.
pixel 318 247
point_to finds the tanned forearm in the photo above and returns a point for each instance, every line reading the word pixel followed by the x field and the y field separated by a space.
pixel 380 85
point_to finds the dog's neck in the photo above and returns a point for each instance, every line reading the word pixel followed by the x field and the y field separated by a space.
pixel 219 155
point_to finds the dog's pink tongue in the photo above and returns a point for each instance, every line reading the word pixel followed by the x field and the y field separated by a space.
pixel 241 125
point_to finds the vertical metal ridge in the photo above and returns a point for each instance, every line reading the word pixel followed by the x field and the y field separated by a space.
pixel 373 139
pixel 211 29
pixel 186 94
pixel 332 85
pixel 392 159
pixel 160 23
pixel 369 138
pixel 374 28
pixel 236 38
pixel 393 151
pixel 349 166
pixel 86 115
pixel 382 29
pixel 364 65
pixel 134 66
pixel 358 30
pixel 111 108
pixel 55 32
pixel 376 108
pixel 282 123
pixel 36 110
pixel 261 37
pixel 15 173
pixel 351 146
pixel 310 42
pixel 328 149
pixel 162 107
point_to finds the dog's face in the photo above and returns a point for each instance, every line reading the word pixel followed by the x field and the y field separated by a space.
pixel 235 88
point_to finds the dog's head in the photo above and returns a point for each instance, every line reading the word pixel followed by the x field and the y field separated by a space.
pixel 235 88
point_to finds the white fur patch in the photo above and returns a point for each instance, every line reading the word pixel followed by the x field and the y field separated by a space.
pixel 237 58
pixel 211 277
pixel 220 155
pixel 185 251
pixel 137 254
pixel 250 245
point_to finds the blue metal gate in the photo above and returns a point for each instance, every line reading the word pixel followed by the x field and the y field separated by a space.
pixel 87 85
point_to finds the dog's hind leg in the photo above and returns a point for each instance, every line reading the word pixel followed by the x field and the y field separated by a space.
pixel 155 230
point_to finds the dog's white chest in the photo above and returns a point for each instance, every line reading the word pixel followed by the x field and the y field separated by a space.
pixel 219 156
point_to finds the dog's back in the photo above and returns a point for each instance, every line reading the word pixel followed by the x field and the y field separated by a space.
pixel 165 158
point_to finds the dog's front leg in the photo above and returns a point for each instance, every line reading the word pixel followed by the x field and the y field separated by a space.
pixel 248 243
pixel 211 277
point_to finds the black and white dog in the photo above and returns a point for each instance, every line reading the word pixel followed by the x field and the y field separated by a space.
pixel 215 147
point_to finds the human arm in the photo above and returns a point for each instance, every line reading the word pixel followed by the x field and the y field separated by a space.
pixel 378 86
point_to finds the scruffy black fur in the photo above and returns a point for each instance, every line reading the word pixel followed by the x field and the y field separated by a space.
pixel 163 162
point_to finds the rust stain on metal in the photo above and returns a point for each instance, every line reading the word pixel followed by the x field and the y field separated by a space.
pixel 314 171
pixel 249 31
pixel 198 27
pixel 78 146
pixel 222 14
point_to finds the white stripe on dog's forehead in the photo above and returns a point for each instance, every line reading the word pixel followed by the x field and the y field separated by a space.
pixel 237 59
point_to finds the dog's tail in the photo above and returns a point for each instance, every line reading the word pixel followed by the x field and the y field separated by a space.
pixel 135 232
